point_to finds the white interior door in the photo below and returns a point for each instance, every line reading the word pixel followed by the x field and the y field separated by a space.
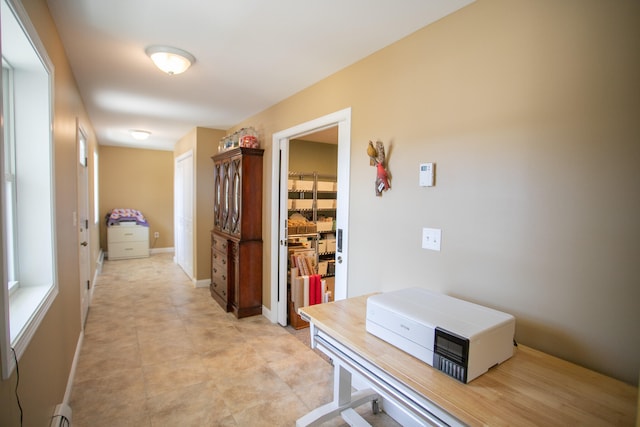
pixel 280 173
pixel 183 239
pixel 83 225
pixel 177 212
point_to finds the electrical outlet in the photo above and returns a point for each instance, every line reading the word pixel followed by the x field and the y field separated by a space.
pixel 156 234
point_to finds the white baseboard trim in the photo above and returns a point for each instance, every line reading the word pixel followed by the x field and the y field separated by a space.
pixel 96 273
pixel 267 313
pixel 203 283
pixel 161 250
pixel 72 372
pixel 99 261
pixel 151 252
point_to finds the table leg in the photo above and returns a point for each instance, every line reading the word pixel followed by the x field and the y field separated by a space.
pixel 343 399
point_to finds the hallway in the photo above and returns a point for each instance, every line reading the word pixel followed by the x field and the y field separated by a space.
pixel 158 352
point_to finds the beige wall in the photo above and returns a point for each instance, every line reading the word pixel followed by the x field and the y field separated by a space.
pixel 138 179
pixel 529 109
pixel 204 143
pixel 307 156
pixel 46 363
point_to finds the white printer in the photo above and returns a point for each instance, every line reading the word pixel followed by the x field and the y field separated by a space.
pixel 457 337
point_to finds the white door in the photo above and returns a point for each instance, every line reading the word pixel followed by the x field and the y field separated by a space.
pixel 184 212
pixel 280 173
pixel 83 225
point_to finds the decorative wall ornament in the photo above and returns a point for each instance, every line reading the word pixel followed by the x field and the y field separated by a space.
pixel 377 159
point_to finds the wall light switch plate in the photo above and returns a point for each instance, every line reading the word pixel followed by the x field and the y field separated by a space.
pixel 431 238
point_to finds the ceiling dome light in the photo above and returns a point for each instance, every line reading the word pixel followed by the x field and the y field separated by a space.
pixel 169 59
pixel 140 135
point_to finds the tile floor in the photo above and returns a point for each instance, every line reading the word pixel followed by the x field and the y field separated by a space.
pixel 159 352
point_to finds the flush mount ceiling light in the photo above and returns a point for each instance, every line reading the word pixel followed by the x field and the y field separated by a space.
pixel 140 135
pixel 169 59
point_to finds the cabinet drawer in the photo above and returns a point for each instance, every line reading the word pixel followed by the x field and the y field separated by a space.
pixel 219 259
pixel 219 289
pixel 127 234
pixel 219 268
pixel 128 250
pixel 219 283
pixel 219 276
pixel 219 243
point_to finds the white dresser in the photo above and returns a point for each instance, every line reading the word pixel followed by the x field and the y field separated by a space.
pixel 127 241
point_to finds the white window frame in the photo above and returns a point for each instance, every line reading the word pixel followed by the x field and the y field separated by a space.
pixel 34 247
pixel 9 178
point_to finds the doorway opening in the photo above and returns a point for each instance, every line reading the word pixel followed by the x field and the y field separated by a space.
pixel 339 124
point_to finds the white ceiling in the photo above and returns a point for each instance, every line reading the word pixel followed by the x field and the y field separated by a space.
pixel 250 54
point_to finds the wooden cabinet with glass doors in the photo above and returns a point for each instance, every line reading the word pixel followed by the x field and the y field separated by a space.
pixel 236 238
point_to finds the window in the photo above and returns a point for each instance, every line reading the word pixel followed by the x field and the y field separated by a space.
pixel 9 178
pixel 28 221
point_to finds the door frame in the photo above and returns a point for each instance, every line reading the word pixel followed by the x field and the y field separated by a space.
pixel 280 146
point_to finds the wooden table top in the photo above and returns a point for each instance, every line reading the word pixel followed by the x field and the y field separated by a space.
pixel 530 388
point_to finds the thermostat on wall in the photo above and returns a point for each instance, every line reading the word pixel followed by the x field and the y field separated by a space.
pixel 427 172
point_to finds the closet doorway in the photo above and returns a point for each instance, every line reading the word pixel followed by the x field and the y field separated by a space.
pixel 341 121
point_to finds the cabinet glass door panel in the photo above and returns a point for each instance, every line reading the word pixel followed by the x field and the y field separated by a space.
pixel 217 185
pixel 236 189
pixel 226 191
